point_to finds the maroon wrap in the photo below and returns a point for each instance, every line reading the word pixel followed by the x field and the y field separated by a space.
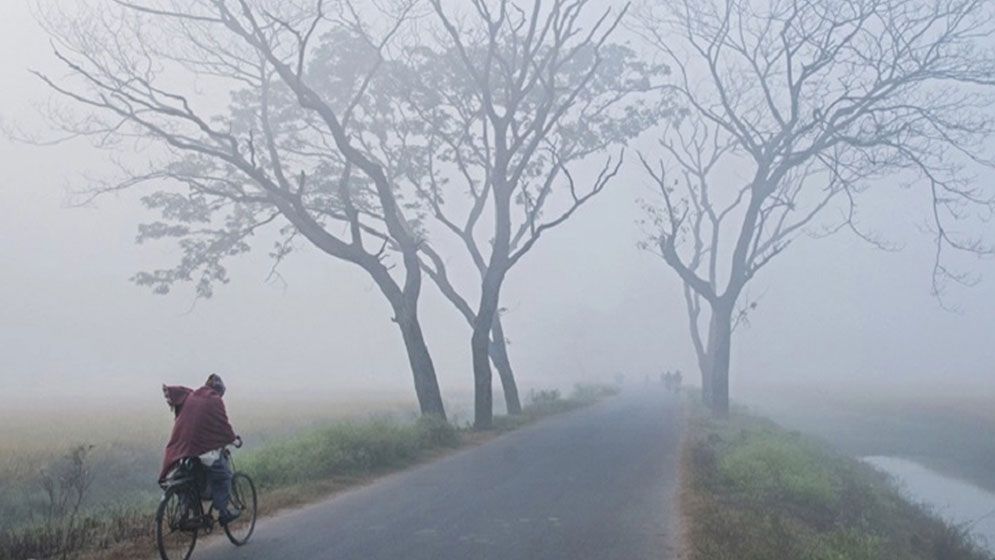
pixel 201 424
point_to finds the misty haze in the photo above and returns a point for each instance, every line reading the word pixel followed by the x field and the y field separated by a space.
pixel 482 279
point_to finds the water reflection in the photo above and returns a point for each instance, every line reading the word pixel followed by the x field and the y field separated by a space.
pixel 958 502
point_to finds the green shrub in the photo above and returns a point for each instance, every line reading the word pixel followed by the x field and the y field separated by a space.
pixel 434 431
pixel 551 401
pixel 848 544
pixel 546 402
pixel 776 467
pixel 347 449
pixel 544 397
pixel 586 393
pixel 756 492
pixel 97 530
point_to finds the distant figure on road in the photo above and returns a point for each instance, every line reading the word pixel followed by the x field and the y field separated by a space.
pixel 672 380
pixel 202 430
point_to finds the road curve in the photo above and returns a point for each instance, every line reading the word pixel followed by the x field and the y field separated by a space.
pixel 597 483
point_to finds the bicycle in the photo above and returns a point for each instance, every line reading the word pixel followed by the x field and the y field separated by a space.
pixel 181 517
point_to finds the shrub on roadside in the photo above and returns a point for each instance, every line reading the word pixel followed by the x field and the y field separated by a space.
pixel 588 393
pixel 753 491
pixel 546 402
pixel 436 432
pixel 774 468
pixel 551 401
pixel 347 449
pixel 96 530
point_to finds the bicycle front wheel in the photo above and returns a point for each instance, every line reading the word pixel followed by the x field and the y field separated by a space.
pixel 176 525
pixel 243 496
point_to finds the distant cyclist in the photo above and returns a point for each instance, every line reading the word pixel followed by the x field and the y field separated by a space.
pixel 202 430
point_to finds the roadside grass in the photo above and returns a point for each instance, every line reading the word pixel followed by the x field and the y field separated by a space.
pixel 347 449
pixel 754 491
pixel 313 463
pixel 947 433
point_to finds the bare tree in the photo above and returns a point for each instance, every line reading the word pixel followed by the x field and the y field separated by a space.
pixel 794 107
pixel 297 150
pixel 514 96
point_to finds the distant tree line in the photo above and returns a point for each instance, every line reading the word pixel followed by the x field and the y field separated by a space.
pixel 371 131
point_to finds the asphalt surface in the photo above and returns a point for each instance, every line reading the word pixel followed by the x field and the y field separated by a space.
pixel 597 483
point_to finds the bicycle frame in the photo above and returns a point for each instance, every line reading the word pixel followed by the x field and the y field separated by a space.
pixel 192 485
pixel 182 508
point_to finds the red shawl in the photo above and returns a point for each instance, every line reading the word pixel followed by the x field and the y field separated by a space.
pixel 201 424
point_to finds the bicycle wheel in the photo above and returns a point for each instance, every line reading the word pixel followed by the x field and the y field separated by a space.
pixel 243 496
pixel 176 525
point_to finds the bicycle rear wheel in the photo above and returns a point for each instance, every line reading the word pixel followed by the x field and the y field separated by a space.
pixel 175 525
pixel 243 496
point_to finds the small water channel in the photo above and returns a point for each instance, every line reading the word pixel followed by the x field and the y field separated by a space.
pixel 958 502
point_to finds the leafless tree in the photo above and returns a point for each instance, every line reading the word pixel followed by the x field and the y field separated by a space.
pixel 515 94
pixel 795 107
pixel 298 149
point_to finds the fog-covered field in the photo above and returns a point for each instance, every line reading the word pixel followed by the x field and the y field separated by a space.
pixel 128 442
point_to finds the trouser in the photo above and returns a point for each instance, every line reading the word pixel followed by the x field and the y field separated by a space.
pixel 219 476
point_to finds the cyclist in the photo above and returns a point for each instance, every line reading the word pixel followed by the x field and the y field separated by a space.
pixel 201 429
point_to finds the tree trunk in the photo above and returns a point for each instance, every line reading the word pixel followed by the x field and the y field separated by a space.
pixel 719 347
pixel 704 365
pixel 483 399
pixel 422 367
pixel 490 292
pixel 404 302
pixel 480 344
pixel 692 302
pixel 499 355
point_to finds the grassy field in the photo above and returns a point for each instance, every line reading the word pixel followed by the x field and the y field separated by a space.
pixel 753 491
pixel 127 446
pixel 302 458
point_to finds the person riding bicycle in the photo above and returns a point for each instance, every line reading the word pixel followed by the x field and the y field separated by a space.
pixel 201 429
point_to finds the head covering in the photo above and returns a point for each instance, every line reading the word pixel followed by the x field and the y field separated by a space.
pixel 214 382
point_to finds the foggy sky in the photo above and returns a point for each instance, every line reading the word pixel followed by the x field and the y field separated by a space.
pixel 585 304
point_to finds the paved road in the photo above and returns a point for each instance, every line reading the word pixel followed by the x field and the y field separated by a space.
pixel 598 483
